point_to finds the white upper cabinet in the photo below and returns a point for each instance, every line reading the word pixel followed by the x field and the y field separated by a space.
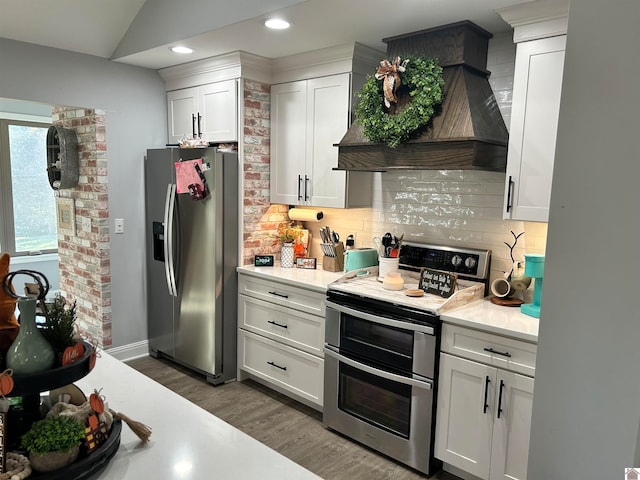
pixel 540 33
pixel 207 111
pixel 311 105
pixel 308 117
pixel 537 86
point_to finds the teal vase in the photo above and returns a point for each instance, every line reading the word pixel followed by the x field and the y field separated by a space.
pixel 30 352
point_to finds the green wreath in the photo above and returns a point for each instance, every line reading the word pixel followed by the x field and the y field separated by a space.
pixel 423 77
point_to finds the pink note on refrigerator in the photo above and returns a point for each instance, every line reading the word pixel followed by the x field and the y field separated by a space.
pixel 186 175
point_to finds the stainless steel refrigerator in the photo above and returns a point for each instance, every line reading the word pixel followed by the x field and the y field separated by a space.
pixel 192 254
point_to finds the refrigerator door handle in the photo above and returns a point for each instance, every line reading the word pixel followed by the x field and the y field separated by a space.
pixel 169 207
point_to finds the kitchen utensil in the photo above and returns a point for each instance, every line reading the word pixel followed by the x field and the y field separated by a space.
pixel 377 244
pixel 387 240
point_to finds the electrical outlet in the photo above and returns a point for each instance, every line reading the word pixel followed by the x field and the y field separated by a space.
pixel 119 225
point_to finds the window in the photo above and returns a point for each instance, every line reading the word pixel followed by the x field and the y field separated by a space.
pixel 28 208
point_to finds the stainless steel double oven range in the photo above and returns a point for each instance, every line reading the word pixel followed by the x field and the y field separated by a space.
pixel 381 356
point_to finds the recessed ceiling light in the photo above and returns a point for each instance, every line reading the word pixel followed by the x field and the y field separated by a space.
pixel 180 49
pixel 277 23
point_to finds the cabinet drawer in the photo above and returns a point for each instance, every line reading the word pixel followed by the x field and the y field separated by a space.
pixel 502 352
pixel 295 328
pixel 282 294
pixel 288 368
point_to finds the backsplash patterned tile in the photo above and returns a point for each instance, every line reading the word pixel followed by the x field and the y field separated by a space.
pixel 445 207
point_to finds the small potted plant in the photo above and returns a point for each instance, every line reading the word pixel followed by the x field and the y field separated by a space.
pixel 59 325
pixel 288 234
pixel 53 442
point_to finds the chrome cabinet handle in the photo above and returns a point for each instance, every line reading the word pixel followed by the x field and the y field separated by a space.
pixel 277 366
pixel 504 354
pixel 277 324
pixel 486 394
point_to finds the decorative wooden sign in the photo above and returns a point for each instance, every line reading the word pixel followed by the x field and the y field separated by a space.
pixel 437 282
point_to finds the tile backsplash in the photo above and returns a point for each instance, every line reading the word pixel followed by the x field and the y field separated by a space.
pixel 452 207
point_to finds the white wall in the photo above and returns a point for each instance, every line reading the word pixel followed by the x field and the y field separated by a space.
pixel 586 405
pixel 134 101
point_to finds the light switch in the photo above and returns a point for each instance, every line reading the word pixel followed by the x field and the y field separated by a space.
pixel 119 225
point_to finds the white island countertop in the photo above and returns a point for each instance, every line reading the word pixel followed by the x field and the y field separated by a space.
pixel 486 316
pixel 187 442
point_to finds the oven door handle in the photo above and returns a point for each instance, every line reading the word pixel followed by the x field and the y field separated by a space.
pixel 382 320
pixel 425 384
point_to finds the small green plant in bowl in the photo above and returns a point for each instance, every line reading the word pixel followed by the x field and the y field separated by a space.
pixel 53 442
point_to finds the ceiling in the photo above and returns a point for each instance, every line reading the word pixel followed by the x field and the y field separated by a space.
pixel 140 32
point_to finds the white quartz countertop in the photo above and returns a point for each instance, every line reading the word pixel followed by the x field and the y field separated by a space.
pixel 317 279
pixel 187 442
pixel 486 316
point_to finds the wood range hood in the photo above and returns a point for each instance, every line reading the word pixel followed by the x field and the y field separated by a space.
pixel 467 133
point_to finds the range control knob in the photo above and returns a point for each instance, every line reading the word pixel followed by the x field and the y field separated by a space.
pixel 456 260
pixel 470 262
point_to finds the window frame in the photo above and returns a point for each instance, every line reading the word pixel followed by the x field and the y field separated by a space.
pixel 7 229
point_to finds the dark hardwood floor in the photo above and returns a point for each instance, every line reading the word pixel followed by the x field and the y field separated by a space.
pixel 287 426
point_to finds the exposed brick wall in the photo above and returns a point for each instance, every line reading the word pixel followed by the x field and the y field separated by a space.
pixel 260 218
pixel 85 274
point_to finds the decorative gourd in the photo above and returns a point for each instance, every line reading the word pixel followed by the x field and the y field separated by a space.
pixel 97 401
pixel 71 354
pixel 6 382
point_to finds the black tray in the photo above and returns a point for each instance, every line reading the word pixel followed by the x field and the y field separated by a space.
pixel 88 465
pixel 34 383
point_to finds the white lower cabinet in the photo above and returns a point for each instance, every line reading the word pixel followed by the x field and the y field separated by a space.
pixel 281 336
pixel 484 412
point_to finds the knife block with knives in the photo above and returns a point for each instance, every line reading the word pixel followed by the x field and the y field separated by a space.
pixel 333 260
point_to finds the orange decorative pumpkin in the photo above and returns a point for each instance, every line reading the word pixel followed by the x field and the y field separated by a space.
pixel 6 382
pixel 73 353
pixel 96 401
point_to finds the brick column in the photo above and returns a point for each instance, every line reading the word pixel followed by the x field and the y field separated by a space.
pixel 85 274
pixel 260 218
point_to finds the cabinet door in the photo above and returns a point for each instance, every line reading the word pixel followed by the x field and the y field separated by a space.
pixel 218 105
pixel 537 86
pixel 510 443
pixel 327 122
pixel 181 106
pixel 464 424
pixel 288 131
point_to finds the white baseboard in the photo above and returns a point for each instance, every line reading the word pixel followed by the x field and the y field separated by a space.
pixel 130 351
